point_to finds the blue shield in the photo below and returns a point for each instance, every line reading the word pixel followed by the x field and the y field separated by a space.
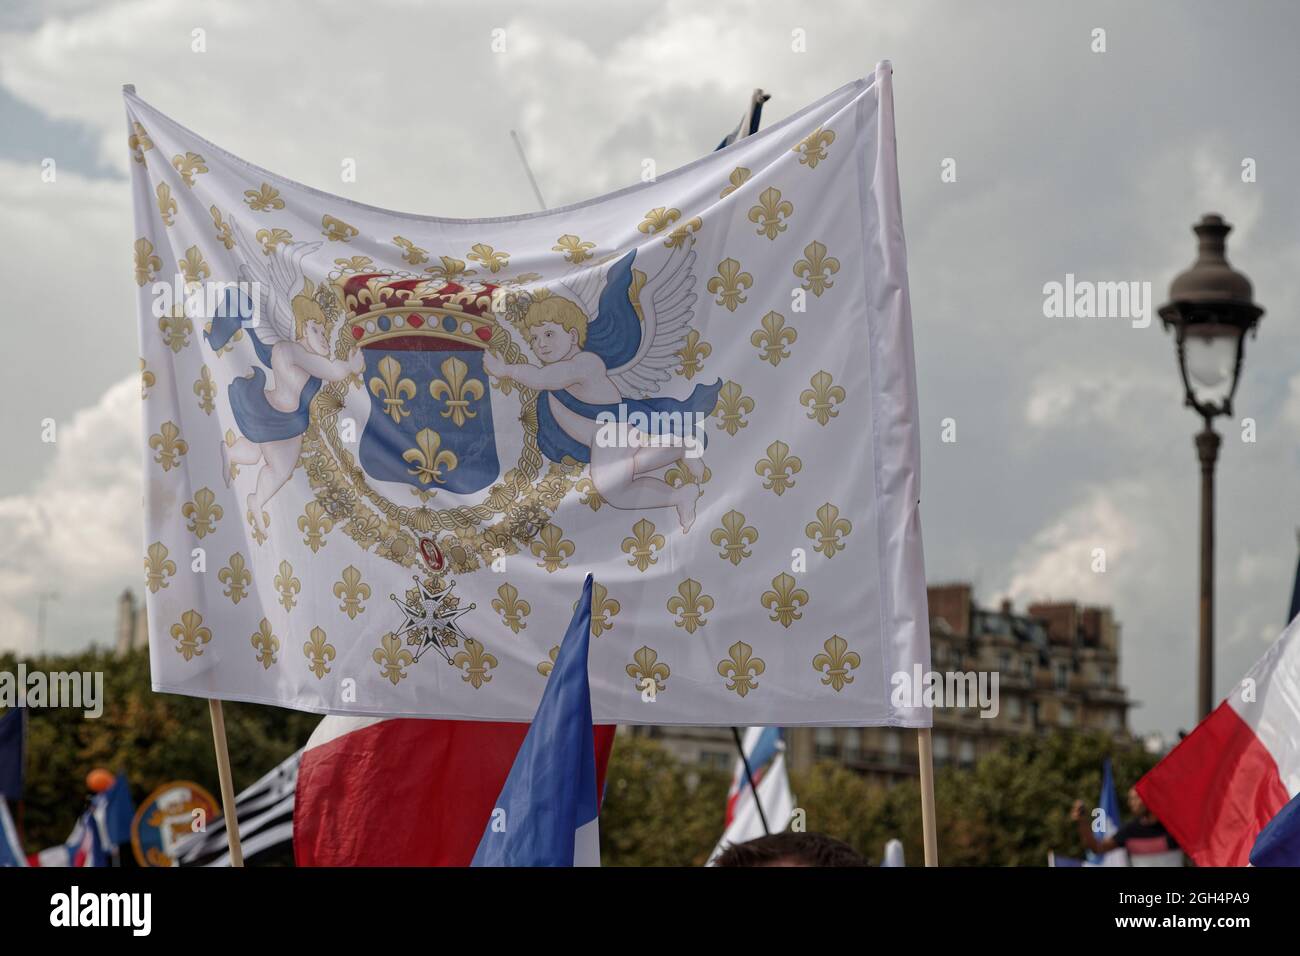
pixel 430 419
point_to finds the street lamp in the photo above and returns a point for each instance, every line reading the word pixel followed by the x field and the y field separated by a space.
pixel 1210 309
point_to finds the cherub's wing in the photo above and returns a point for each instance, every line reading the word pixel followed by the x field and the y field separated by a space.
pixel 666 300
pixel 279 277
pixel 584 285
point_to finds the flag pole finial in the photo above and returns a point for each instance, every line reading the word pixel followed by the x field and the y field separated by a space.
pixel 128 88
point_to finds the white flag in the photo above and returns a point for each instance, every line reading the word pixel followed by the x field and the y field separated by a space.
pixel 383 450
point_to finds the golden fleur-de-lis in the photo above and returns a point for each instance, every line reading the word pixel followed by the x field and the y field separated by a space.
pixel 693 353
pixel 512 608
pixel 682 234
pixel 739 176
pixel 318 653
pixel 450 270
pixel 351 591
pixel 827 530
pixel 459 389
pixel 690 605
pixel 573 248
pixel 189 166
pixel 658 219
pixel 236 577
pixel 265 643
pixel 733 405
pixel 169 445
pixel 147 380
pixel 816 270
pixel 475 662
pixel 734 537
pixel 231 438
pixel 146 263
pixel 835 664
pixel 643 544
pixel 270 238
pixel 258 527
pixel 206 390
pixel 315 523
pixel 392 658
pixel 336 230
pixel 545 667
pixel 646 667
pixel 785 600
pixel 138 142
pixel 355 264
pixel 741 668
pixel 194 267
pixel 157 567
pixel 590 496
pixel 166 204
pixel 263 199
pixel 485 255
pixel 812 148
pixel 392 388
pixel 677 475
pixel 729 284
pixel 410 251
pixel 190 635
pixel 176 329
pixel 603 610
pixel 225 235
pixel 771 213
pixel 429 458
pixel 288 586
pixel 772 338
pixel 822 398
pixel 553 548
pixel 779 466
pixel 202 513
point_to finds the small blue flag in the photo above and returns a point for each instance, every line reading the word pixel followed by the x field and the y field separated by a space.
pixel 1278 844
pixel 13 744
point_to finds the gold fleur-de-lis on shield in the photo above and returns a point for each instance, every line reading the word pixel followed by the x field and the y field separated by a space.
pixel 729 284
pixel 553 548
pixel 410 251
pixel 812 148
pixel 693 353
pixel 734 537
pixel 603 610
pixel 684 233
pixel 485 255
pixel 394 390
pixel 771 213
pixel 392 658
pixel 287 585
pixel 821 399
pixel 816 269
pixel 772 338
pixel 202 513
pixel 690 605
pixel 733 405
pixel 169 445
pixel 236 577
pixel 739 176
pixel 270 238
pixel 263 199
pixel 139 142
pixel 166 204
pixel 225 235
pixel 779 466
pixel 157 567
pixel 189 166
pixel 429 458
pixel 646 667
pixel 351 590
pixel 512 608
pixel 315 522
pixel 190 635
pixel 146 263
pixel 658 219
pixel 835 664
pixel 336 230
pixel 194 267
pixel 475 662
pixel 460 390
pixel 827 530
pixel 573 248
pixel 206 390
pixel 643 544
pixel 449 269
pixel 318 653
pixel 785 601
pixel 545 667
pixel 741 668
pixel 266 644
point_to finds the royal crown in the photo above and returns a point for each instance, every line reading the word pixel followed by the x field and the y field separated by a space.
pixel 385 308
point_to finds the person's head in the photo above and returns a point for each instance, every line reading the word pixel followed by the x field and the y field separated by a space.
pixel 311 327
pixel 791 849
pixel 1135 804
pixel 555 327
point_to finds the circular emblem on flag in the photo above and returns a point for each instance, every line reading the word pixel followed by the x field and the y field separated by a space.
pixel 170 813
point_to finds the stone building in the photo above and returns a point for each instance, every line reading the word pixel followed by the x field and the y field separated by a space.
pixel 132 625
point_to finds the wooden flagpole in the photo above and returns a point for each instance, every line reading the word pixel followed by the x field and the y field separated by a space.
pixel 929 834
pixel 227 785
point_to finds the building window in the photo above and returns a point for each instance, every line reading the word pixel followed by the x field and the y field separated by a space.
pixel 853 744
pixel 966 752
pixel 824 742
pixel 893 746
pixel 941 748
pixel 1067 715
pixel 1062 675
pixel 1029 669
pixel 1105 678
pixel 1004 663
pixel 1013 708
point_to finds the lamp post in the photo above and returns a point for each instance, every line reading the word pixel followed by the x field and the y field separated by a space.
pixel 1210 310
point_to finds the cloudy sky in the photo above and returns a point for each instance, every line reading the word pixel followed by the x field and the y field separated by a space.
pixel 1071 433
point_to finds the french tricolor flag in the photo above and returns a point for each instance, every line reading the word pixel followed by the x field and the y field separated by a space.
pixel 1218 789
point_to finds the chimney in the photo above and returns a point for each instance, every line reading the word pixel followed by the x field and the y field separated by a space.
pixel 125 621
pixel 952 603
